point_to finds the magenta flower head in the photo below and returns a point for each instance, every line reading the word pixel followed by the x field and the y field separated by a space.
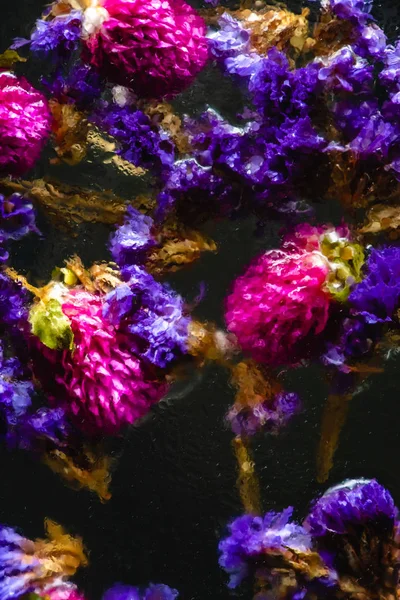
pixel 25 123
pixel 354 527
pixel 280 306
pixel 101 383
pixel 154 47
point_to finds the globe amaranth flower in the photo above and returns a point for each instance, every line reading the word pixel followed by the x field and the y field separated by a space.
pixel 32 566
pixel 279 306
pixel 63 590
pixel 269 416
pixel 150 315
pixel 131 241
pixel 354 527
pixel 25 123
pixel 102 384
pixel 138 141
pixel 377 296
pixel 251 539
pixel 154 47
pixel 153 592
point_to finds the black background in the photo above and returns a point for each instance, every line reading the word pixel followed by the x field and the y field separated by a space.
pixel 174 489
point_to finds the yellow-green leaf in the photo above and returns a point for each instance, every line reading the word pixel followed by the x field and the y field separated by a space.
pixel 51 326
pixel 9 58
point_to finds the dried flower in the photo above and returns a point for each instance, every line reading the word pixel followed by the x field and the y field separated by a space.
pixel 155 48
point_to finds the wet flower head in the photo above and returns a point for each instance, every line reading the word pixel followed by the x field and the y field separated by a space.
pixel 27 566
pixel 155 48
pixel 24 124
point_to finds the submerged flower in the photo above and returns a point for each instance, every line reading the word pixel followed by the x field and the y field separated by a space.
pixel 155 48
pixel 130 242
pixel 81 84
pixel 13 306
pixel 251 539
pixel 157 591
pixel 24 124
pixel 278 307
pixel 138 141
pixel 31 566
pixel 150 315
pixel 377 296
pixel 354 526
pixel 102 384
pixel 269 416
pixel 56 39
pixel 350 504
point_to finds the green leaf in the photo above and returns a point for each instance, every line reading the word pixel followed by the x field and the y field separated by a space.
pixel 51 326
pixel 9 58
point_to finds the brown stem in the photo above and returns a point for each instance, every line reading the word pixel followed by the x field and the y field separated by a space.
pixel 247 481
pixel 333 419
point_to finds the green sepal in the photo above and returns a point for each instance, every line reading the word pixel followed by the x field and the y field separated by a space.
pixel 51 326
pixel 346 260
pixel 9 58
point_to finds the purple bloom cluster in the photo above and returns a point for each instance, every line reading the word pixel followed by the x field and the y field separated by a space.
pixel 151 315
pixel 270 417
pixel 153 592
pixel 354 502
pixel 377 297
pixel 138 141
pixel 27 428
pixel 356 339
pixel 15 571
pixel 250 538
pixel 13 306
pixel 80 84
pixel 55 39
pixel 353 527
pixel 131 241
pixel 17 219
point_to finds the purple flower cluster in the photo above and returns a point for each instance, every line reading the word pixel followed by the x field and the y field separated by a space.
pixel 17 219
pixel 80 84
pixel 138 141
pixel 151 315
pixel 356 339
pixel 131 241
pixel 27 428
pixel 353 527
pixel 13 306
pixel 377 297
pixel 354 502
pixel 270 417
pixel 250 538
pixel 149 312
pixel 15 570
pixel 154 591
pixel 55 39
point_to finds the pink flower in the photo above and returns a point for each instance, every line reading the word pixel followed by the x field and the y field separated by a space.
pixel 154 47
pixel 25 123
pixel 101 383
pixel 63 591
pixel 279 306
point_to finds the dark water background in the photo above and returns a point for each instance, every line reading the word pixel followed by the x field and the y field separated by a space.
pixel 174 488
